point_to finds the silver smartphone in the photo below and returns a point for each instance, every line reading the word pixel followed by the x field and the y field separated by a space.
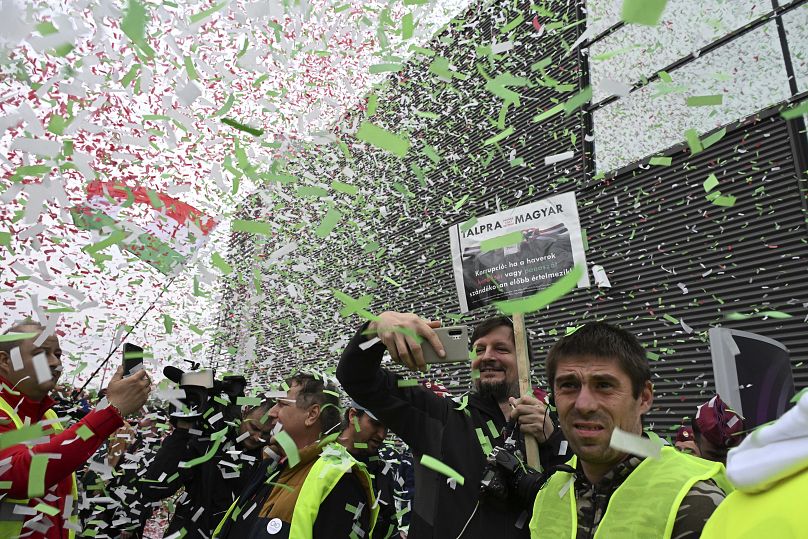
pixel 455 340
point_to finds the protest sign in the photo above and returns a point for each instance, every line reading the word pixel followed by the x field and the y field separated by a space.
pixel 517 252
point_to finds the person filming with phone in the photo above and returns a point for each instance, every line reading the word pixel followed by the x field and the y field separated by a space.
pixel 39 459
pixel 459 433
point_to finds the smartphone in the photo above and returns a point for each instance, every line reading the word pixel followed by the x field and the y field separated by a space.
pixel 455 341
pixel 132 357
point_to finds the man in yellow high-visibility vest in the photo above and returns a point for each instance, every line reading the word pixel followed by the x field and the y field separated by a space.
pixel 624 485
pixel 38 458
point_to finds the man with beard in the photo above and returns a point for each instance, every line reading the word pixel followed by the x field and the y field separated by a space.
pixel 363 435
pixel 459 433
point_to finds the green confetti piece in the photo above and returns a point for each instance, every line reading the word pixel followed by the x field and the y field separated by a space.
pixel 289 447
pixel 543 298
pixel 549 113
pixel 383 139
pixel 346 188
pixel 468 224
pixel 434 464
pixel 243 127
pixel 384 68
pixel 251 226
pixel 225 108
pixel 407 26
pixel 207 12
pixel 710 183
pixel 14 336
pixel 671 319
pixel 407 382
pixel 133 26
pixel 725 201
pixel 84 432
pixel 328 223
pixel 796 111
pixel 47 509
pixel 430 152
pixel 578 100
pixel 311 191
pixel 493 429
pixel 36 476
pixel 704 100
pixel 221 264
pixel 661 161
pixel 21 435
pixel 500 242
pixel 653 356
pixel 715 137
pixel 5 485
pixel 154 200
pixel 692 138
pixel 203 458
pixel 645 12
pixel 189 68
pixel 116 237
pixel 168 324
pixel 499 136
pixel 248 401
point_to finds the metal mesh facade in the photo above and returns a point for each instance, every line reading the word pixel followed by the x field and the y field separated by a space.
pixel 677 263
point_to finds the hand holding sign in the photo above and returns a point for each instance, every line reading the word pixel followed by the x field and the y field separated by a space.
pixel 533 417
pixel 402 334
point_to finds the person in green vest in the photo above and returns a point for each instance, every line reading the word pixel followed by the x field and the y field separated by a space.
pixel 770 472
pixel 317 490
pixel 601 384
pixel 39 458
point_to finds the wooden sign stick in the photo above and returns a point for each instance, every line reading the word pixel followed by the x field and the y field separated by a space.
pixel 525 387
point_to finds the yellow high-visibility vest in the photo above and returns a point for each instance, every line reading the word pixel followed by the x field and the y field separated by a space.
pixel 644 506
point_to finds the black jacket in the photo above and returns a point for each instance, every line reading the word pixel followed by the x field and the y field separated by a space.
pixel 383 477
pixel 208 494
pixel 434 426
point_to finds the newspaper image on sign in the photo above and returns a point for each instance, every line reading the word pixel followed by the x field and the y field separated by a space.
pixel 517 252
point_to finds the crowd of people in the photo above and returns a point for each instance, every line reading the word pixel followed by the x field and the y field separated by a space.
pixel 376 455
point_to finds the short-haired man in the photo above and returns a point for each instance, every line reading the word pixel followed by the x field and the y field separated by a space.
pixel 458 433
pixel 363 435
pixel 317 490
pixel 601 382
pixel 38 491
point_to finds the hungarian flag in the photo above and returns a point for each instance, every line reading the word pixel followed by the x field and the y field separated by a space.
pixel 169 232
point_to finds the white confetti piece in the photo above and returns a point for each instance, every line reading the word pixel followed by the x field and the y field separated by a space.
pixel 634 444
pixel 41 368
pixel 559 157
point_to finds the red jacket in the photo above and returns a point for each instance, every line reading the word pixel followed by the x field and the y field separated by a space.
pixel 15 461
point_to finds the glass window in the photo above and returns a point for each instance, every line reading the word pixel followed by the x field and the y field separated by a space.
pixel 796 24
pixel 635 51
pixel 748 72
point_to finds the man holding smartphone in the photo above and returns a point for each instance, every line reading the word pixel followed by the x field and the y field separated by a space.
pixel 458 434
pixel 39 457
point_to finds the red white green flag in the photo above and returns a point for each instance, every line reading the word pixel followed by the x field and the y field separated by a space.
pixel 169 232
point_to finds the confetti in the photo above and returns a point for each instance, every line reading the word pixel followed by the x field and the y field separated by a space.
pixel 383 139
pixel 543 298
pixel 645 12
pixel 289 447
pixel 434 464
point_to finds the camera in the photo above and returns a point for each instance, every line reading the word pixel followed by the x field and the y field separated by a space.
pixel 205 396
pixel 506 478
